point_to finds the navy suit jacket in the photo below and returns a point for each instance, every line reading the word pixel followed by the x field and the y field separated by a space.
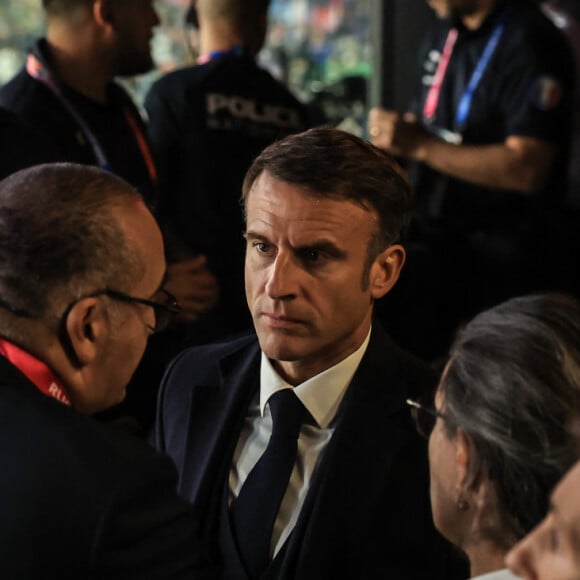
pixel 367 514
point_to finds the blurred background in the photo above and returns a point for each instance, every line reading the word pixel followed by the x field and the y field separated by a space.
pixel 337 55
pixel 340 56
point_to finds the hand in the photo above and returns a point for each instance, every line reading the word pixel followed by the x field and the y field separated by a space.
pixel 194 286
pixel 400 135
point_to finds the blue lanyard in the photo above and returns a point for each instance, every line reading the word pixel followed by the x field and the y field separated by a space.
pixel 466 101
pixel 234 50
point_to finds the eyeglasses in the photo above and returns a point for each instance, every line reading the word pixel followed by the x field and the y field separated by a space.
pixel 164 311
pixel 424 417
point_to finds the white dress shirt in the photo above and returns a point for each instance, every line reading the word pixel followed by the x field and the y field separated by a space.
pixel 497 575
pixel 321 395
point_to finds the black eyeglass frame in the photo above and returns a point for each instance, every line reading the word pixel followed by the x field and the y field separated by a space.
pixel 423 428
pixel 163 311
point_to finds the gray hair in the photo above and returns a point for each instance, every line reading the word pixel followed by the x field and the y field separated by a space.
pixel 512 381
pixel 59 238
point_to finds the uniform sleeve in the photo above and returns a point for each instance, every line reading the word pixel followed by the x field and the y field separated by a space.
pixel 538 85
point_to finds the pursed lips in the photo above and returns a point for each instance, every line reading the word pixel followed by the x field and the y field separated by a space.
pixel 280 319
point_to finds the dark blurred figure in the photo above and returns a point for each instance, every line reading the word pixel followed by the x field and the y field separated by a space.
pixel 207 123
pixel 20 145
pixel 566 15
pixel 489 133
pixel 67 92
pixel 66 88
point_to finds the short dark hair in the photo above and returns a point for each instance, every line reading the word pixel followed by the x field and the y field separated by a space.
pixel 59 7
pixel 237 11
pixel 248 17
pixel 59 238
pixel 511 383
pixel 335 164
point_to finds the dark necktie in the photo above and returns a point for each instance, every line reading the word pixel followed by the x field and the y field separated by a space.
pixel 253 512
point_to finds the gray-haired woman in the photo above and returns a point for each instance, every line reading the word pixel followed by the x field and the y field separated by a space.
pixel 498 439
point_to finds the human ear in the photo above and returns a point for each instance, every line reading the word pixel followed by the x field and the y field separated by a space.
pixel 86 326
pixel 463 456
pixel 103 13
pixel 385 270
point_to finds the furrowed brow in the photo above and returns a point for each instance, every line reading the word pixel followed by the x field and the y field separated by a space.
pixel 324 245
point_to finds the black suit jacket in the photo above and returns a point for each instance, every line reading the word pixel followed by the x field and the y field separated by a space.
pixel 80 500
pixel 367 513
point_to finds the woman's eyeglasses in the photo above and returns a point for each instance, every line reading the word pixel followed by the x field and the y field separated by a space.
pixel 424 417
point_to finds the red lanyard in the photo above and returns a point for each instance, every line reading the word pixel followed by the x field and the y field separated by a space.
pixel 143 146
pixel 465 103
pixel 432 99
pixel 36 371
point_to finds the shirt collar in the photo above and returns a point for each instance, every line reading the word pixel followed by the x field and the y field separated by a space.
pixel 321 394
pixel 504 574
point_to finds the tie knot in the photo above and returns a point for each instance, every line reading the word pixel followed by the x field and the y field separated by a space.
pixel 287 414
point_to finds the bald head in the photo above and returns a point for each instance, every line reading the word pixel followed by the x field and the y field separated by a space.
pixel 58 236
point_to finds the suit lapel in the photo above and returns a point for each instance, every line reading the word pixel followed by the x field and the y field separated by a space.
pixel 349 471
pixel 216 414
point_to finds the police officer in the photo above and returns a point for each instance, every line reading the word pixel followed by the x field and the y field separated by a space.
pixel 489 133
pixel 207 123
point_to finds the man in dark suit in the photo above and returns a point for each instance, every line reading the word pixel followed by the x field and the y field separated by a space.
pixel 324 212
pixel 81 290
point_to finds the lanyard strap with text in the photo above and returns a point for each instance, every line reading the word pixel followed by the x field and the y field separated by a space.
pixel 36 69
pixel 35 371
pixel 434 93
pixel 466 100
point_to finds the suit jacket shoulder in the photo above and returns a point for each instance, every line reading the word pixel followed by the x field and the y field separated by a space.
pixel 81 500
pixel 367 513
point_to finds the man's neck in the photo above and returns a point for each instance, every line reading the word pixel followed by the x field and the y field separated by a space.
pixel 217 37
pixel 475 20
pixel 79 70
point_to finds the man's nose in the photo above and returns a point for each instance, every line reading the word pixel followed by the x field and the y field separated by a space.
pixel 283 278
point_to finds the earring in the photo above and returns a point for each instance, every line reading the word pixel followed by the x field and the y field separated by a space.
pixel 461 503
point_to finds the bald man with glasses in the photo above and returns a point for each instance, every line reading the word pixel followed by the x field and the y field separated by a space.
pixel 82 270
